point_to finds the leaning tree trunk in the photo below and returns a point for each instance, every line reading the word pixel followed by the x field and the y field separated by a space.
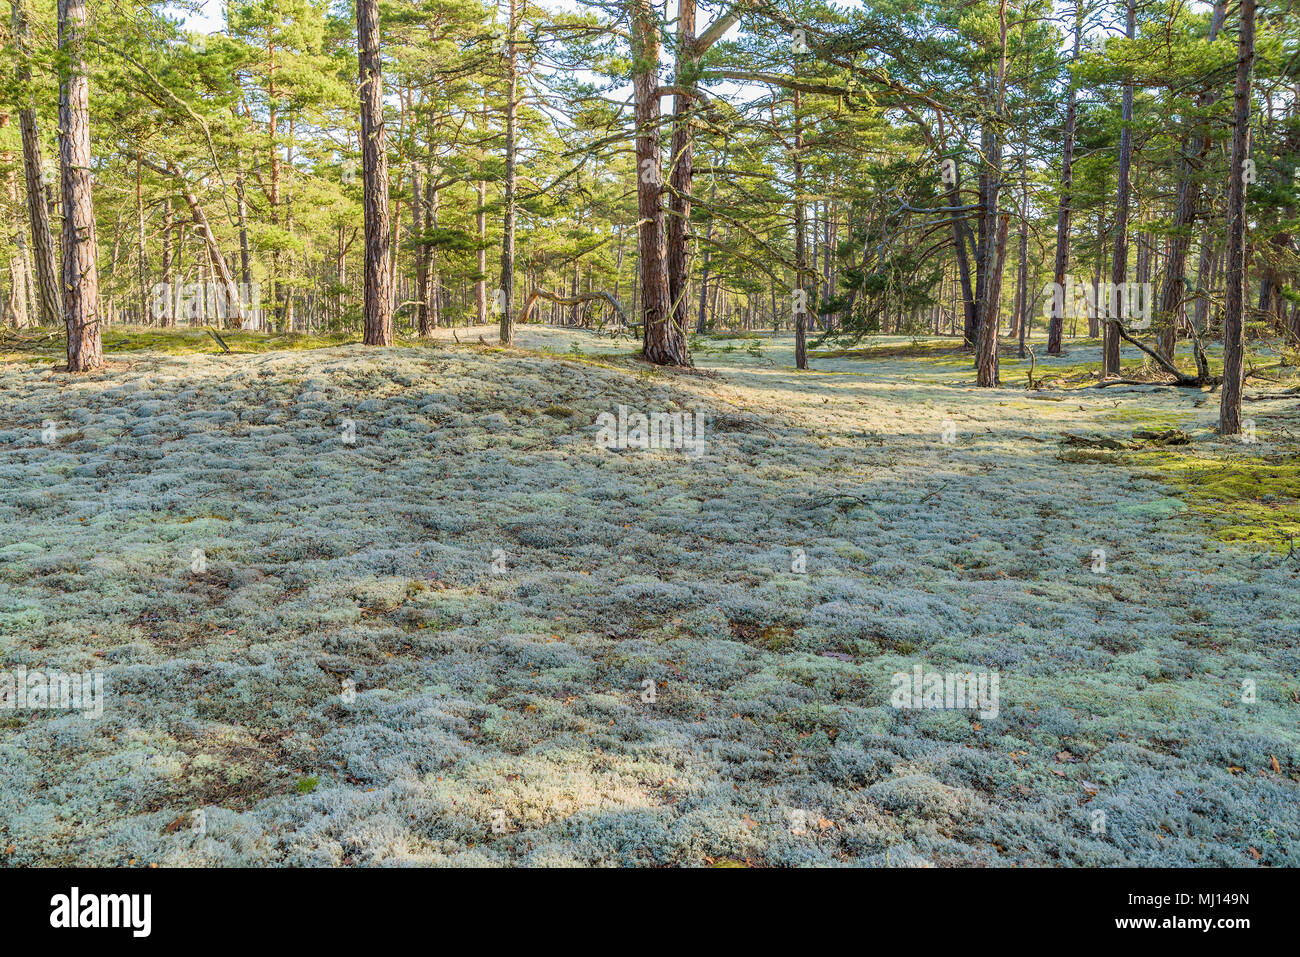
pixel 1234 325
pixel 1119 262
pixel 1062 264
pixel 663 342
pixel 233 300
pixel 374 166
pixel 505 294
pixel 80 270
pixel 49 302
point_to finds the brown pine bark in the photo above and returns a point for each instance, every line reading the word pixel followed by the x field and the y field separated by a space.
pixel 800 248
pixel 419 226
pixel 168 316
pixel 1062 264
pixel 1234 325
pixel 1119 262
pixel 507 291
pixel 480 286
pixel 990 186
pixel 378 267
pixel 986 349
pixel 15 304
pixel 1022 272
pixel 433 289
pixel 80 271
pixel 663 342
pixel 49 300
pixel 141 247
pixel 681 162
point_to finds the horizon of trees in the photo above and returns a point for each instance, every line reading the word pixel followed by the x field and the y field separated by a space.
pixel 1123 170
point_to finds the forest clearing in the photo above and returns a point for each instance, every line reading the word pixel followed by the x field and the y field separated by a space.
pixel 500 589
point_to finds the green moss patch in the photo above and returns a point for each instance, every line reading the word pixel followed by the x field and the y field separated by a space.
pixel 1253 499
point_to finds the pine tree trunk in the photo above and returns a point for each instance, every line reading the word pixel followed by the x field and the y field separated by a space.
pixel 433 291
pixel 378 266
pixel 681 161
pixel 49 300
pixel 1022 277
pixel 1119 261
pixel 986 350
pixel 15 304
pixel 80 270
pixel 506 293
pixel 141 249
pixel 800 248
pixel 419 226
pixel 663 343
pixel 1057 324
pixel 168 317
pixel 480 287
pixel 1234 326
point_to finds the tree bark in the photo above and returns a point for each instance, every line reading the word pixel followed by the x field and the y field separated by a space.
pixel 49 300
pixel 80 270
pixel 1234 325
pixel 506 293
pixel 480 286
pixel 419 227
pixel 433 289
pixel 1056 325
pixel 378 268
pixel 1022 274
pixel 1119 262
pixel 681 162
pixel 168 317
pixel 141 248
pixel 800 247
pixel 15 306
pixel 986 350
pixel 663 342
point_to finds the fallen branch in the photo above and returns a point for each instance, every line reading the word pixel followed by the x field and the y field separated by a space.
pixel 1033 361
pixel 1284 394
pixel 221 342
pixel 1201 380
pixel 570 301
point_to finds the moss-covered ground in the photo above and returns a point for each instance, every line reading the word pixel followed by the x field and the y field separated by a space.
pixel 398 606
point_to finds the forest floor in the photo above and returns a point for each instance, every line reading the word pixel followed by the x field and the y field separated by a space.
pixel 398 606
